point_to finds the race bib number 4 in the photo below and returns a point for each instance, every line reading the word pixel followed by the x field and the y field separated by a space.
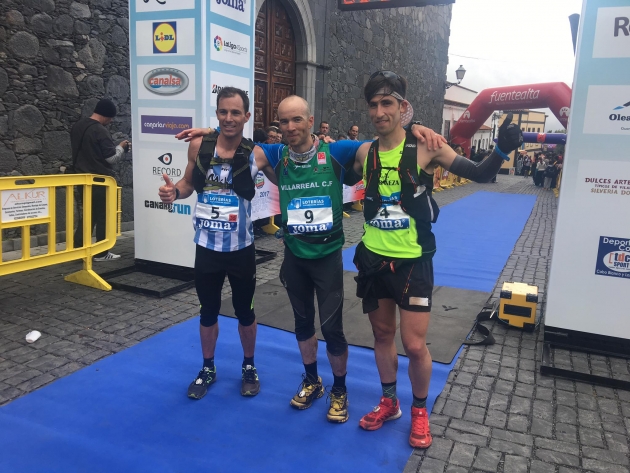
pixel 310 215
pixel 390 217
pixel 217 213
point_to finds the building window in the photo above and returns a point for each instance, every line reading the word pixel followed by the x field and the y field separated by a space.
pixel 447 129
pixel 538 130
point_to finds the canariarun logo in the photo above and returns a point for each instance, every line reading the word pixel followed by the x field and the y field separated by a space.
pixel 236 4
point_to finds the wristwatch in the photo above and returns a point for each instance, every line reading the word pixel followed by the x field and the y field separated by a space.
pixel 412 123
pixel 176 193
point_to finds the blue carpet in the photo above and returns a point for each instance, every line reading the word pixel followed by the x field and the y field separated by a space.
pixel 129 413
pixel 475 237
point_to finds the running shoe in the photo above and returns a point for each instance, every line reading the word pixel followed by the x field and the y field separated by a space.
pixel 250 386
pixel 420 436
pixel 199 387
pixel 338 410
pixel 386 410
pixel 106 257
pixel 307 393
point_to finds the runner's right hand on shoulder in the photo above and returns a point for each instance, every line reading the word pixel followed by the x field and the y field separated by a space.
pixel 167 191
pixel 188 135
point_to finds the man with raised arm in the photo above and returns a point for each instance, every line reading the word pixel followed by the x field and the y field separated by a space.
pixel 221 169
pixel 309 173
pixel 394 258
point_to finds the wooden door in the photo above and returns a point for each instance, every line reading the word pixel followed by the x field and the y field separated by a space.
pixel 274 62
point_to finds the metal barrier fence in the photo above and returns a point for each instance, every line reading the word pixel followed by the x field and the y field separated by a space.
pixel 32 200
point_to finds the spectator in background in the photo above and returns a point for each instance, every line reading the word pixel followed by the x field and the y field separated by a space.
pixel 353 133
pixel 94 152
pixel 275 123
pixel 541 165
pixel 342 137
pixel 273 135
pixel 550 173
pixel 526 165
pixel 260 136
pixel 519 164
pixel 324 129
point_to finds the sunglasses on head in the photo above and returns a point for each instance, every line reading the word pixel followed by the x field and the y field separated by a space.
pixel 396 81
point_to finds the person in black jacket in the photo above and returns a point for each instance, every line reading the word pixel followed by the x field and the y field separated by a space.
pixel 94 152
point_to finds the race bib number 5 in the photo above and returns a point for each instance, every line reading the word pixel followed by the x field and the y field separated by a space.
pixel 390 217
pixel 310 215
pixel 217 213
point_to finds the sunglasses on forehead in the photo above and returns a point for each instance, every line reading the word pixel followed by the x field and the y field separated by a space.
pixel 396 81
pixel 389 75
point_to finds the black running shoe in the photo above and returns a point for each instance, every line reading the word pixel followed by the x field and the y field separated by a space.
pixel 199 387
pixel 250 386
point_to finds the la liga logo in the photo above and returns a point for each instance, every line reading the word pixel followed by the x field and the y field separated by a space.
pixel 218 43
pixel 613 257
pixel 165 37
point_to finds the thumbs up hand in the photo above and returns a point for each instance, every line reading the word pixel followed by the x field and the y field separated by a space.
pixel 510 135
pixel 167 192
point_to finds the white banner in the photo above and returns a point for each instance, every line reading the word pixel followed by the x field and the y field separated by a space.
pixel 590 268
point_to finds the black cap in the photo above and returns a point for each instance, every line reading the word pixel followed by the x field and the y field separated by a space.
pixel 105 108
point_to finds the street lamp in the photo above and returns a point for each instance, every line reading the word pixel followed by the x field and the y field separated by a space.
pixel 460 73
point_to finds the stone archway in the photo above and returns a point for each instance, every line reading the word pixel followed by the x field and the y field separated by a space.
pixel 301 18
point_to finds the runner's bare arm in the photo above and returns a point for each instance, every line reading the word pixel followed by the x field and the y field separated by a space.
pixel 185 185
pixel 263 164
pixel 188 135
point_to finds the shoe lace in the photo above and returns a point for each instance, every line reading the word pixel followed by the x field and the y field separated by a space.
pixel 249 375
pixel 420 426
pixel 204 375
pixel 305 385
pixel 337 398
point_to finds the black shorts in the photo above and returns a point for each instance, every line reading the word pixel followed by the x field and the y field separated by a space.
pixel 408 282
pixel 211 267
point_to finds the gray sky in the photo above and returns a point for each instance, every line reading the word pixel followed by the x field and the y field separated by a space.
pixel 512 42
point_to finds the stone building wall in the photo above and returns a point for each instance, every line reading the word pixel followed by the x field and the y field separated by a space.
pixel 57 57
pixel 410 41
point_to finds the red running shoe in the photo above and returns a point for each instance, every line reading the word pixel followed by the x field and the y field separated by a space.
pixel 386 410
pixel 420 436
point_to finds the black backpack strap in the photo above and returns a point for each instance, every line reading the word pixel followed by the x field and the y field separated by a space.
pixel 372 198
pixel 488 312
pixel 242 181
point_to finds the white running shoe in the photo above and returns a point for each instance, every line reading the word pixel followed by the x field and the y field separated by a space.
pixel 108 257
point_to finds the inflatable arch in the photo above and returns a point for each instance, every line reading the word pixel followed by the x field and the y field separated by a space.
pixel 555 95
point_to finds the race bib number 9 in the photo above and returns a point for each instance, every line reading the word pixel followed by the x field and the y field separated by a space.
pixel 217 213
pixel 310 215
pixel 390 217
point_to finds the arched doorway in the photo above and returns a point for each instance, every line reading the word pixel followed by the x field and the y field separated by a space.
pixel 275 61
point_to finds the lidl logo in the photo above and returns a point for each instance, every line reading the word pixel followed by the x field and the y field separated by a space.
pixel 165 37
pixel 218 43
pixel 622 106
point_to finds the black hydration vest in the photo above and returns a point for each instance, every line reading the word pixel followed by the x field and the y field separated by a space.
pixel 415 194
pixel 242 182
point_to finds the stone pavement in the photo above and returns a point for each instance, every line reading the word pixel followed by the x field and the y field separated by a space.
pixel 496 414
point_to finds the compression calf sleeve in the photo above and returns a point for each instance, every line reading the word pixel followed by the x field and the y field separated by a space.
pixel 478 172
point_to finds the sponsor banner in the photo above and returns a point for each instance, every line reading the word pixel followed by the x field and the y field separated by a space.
pixel 24 204
pixel 162 124
pixel 613 257
pixel 589 275
pixel 353 193
pixel 144 6
pixel 166 83
pixel 229 46
pixel 266 202
pixel 165 38
pixel 612 33
pixel 219 80
pixel 239 10
pixel 608 110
